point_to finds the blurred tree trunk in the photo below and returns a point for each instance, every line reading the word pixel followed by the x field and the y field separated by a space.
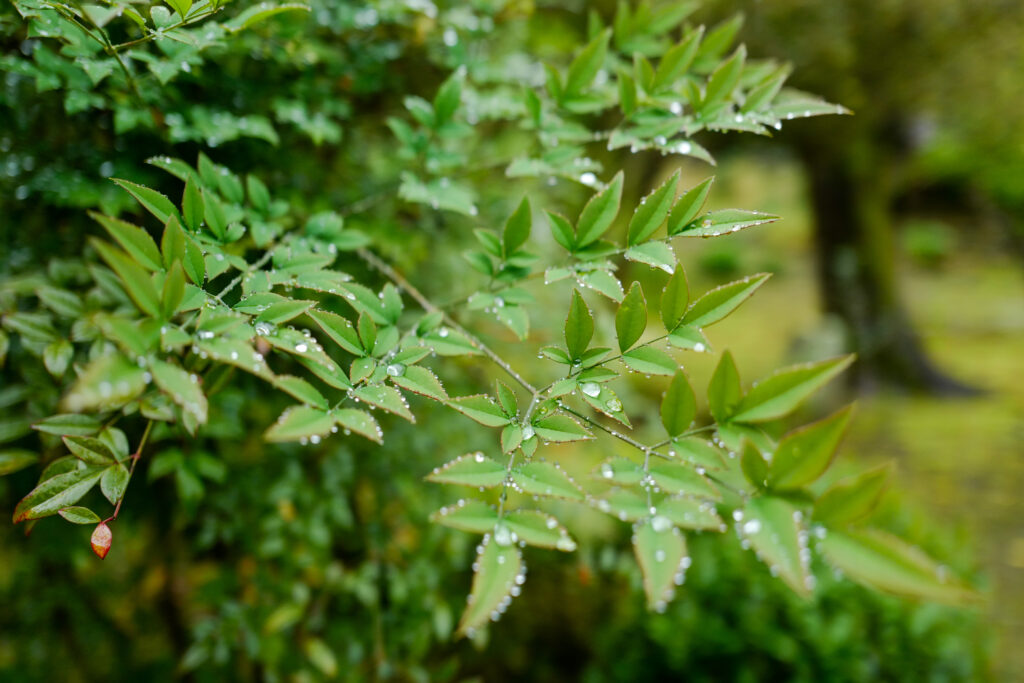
pixel 851 197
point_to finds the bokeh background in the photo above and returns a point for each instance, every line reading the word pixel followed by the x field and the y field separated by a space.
pixel 902 238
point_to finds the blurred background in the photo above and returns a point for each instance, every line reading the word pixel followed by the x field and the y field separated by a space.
pixel 902 238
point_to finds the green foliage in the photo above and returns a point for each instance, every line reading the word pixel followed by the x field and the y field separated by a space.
pixel 219 284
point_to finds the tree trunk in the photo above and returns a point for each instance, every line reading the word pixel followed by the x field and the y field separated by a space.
pixel 857 270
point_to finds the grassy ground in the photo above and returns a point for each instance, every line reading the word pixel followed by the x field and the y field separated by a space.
pixel 962 461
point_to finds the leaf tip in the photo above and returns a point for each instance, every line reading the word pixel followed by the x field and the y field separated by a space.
pixel 101 539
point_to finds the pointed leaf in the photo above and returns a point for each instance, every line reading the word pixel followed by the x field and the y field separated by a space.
pixel 12 460
pixel 724 391
pixel 133 239
pixel 661 553
pixel 773 528
pixel 719 302
pixel 780 393
pixel 803 455
pixel 474 516
pixel 679 405
pixel 114 483
pixel 517 229
pixel 560 428
pixel 688 206
pixel 545 479
pixel 687 513
pixel 182 387
pixel 675 478
pixel 579 326
pixel 652 211
pixel 59 491
pixel 725 222
pixel 79 515
pixel 386 398
pixel 852 499
pixel 135 279
pixel 156 203
pixel 886 563
pixel 600 211
pixel 421 381
pixel 498 571
pixel 540 529
pixel 654 254
pixel 481 408
pixel 650 361
pixel 674 300
pixel 631 318
pixel 360 422
pixel 338 329
pixel 471 469
pixel 585 66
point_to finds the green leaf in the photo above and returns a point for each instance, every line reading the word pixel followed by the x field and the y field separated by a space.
pixel 579 326
pixel 386 398
pixel 585 66
pixel 603 282
pixel 59 491
pixel 631 317
pixel 686 337
pixel 517 229
pixel 182 388
pixel 446 102
pixel 545 479
pixel 539 529
pixel 511 437
pixel 804 454
pixel 193 208
pixel 300 389
pixel 886 563
pixel 687 513
pixel 481 408
pixel 650 361
pixel 12 460
pixel 620 471
pixel 675 478
pixel 561 230
pixel 652 211
pixel 300 423
pixel 154 202
pixel 599 212
pixel 780 393
pixel 215 215
pixel 173 291
pixel 661 553
pixel 61 301
pixel 133 239
pixel 698 452
pixel 360 422
pixel 89 450
pixel 339 329
pixel 560 428
pixel 498 571
pixel 57 356
pixel 421 381
pixel 674 300
pixel 448 342
pixel 724 80
pixel 471 469
pixel 688 206
pixel 282 311
pixel 677 59
pixel 773 528
pixel 719 302
pixel 467 515
pixel 106 383
pixel 853 499
pixel 679 406
pixel 114 483
pixel 135 279
pixel 260 12
pixel 507 399
pixel 724 391
pixel 654 254
pixel 79 515
pixel 724 222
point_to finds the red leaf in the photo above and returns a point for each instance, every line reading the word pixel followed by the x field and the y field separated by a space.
pixel 101 538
